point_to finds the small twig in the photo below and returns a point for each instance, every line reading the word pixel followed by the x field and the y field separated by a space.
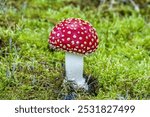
pixel 88 79
pixel 53 21
pixel 136 7
pixel 111 4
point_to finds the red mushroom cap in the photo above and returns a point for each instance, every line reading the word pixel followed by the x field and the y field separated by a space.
pixel 74 35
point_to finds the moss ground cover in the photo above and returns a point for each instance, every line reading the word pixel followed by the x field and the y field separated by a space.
pixel 30 70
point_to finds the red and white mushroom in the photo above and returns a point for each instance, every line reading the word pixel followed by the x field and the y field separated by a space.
pixel 77 38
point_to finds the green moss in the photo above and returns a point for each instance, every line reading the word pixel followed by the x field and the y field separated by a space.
pixel 29 70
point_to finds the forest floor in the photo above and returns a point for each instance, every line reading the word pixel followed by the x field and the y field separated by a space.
pixel 30 70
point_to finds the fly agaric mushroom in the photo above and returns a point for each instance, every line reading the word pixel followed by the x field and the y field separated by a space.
pixel 77 38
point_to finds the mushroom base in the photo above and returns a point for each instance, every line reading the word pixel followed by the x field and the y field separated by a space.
pixel 69 92
pixel 74 70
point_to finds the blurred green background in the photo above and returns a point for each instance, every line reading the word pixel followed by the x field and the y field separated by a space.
pixel 121 64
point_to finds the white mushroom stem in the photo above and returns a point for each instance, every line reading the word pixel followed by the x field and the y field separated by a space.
pixel 74 70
